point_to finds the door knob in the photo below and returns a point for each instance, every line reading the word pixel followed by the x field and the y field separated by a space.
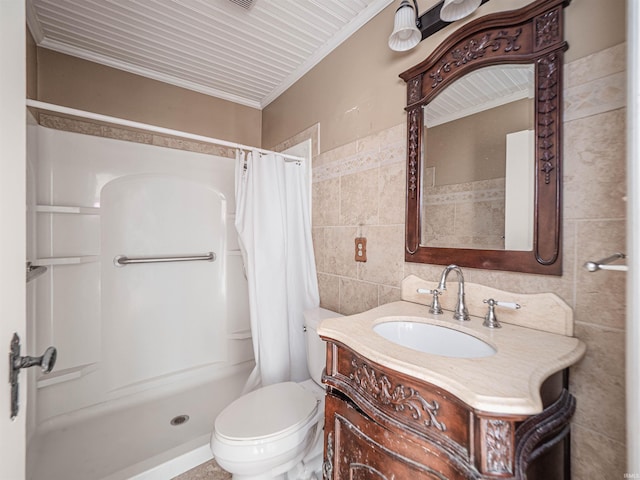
pixel 17 362
pixel 46 362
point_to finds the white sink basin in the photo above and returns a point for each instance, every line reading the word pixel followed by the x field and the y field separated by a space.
pixel 434 339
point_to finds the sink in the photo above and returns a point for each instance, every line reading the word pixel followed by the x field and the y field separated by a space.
pixel 434 339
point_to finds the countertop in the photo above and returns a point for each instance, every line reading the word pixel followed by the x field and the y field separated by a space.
pixel 508 382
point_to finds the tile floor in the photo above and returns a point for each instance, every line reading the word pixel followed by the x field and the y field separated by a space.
pixel 207 471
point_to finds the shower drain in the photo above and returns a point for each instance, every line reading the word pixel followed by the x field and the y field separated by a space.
pixel 179 420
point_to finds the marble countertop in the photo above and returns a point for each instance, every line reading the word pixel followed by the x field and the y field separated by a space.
pixel 508 382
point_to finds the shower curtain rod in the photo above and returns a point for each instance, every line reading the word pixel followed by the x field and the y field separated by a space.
pixel 151 128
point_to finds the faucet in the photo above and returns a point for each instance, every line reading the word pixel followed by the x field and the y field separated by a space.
pixel 435 307
pixel 460 312
pixel 490 319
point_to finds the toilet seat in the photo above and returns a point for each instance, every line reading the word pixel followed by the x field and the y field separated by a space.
pixel 267 413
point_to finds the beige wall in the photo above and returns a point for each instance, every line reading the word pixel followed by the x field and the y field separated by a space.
pixel 355 101
pixel 474 148
pixel 355 91
pixel 77 83
pixel 32 67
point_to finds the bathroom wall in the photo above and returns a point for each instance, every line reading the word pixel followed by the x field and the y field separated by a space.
pixel 359 190
pixel 77 83
pixel 466 215
pixel 454 148
pixel 32 66
pixel 355 91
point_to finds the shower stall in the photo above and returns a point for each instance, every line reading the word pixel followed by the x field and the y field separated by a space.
pixel 144 298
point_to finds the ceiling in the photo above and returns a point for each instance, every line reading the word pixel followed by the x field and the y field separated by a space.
pixel 244 51
pixel 480 90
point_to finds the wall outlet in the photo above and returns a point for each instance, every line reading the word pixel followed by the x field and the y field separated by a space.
pixel 361 249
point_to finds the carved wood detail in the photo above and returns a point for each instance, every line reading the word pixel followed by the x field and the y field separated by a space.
pixel 402 399
pixel 547 29
pixel 413 152
pixel 366 438
pixel 361 470
pixel 475 48
pixel 414 87
pixel 548 157
pixel 547 68
pixel 365 450
pixel 541 432
pixel 533 34
pixel 499 443
pixel 327 465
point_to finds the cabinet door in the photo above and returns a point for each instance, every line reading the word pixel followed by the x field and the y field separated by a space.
pixel 357 448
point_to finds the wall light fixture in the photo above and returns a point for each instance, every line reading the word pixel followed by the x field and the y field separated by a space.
pixel 453 10
pixel 410 28
pixel 406 27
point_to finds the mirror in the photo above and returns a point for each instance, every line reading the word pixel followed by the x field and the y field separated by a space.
pixel 478 162
pixel 484 145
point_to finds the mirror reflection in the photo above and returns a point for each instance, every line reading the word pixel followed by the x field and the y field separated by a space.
pixel 478 162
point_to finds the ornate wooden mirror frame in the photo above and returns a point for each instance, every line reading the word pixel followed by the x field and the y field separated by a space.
pixel 530 35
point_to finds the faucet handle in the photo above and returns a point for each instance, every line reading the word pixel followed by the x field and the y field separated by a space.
pixel 490 319
pixel 511 305
pixel 435 307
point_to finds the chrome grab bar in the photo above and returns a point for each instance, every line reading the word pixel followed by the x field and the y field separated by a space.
pixel 122 260
pixel 604 264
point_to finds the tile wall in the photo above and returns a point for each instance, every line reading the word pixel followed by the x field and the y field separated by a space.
pixel 359 190
pixel 465 215
pixel 97 129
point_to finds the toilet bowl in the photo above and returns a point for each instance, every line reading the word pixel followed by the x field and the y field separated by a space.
pixel 275 432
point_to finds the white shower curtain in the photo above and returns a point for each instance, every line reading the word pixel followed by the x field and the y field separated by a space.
pixel 274 230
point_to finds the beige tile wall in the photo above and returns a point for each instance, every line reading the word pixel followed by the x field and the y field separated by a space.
pixel 359 190
pixel 129 135
pixel 465 215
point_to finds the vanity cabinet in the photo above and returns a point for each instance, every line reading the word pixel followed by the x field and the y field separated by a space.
pixel 383 424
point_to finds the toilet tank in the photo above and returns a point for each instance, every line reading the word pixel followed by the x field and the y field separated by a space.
pixel 316 347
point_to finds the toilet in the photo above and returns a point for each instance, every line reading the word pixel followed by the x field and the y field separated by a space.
pixel 275 432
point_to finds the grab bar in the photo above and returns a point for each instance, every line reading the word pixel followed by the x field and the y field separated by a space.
pixel 122 260
pixel 604 264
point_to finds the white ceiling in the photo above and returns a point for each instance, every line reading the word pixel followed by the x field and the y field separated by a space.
pixel 480 90
pixel 245 55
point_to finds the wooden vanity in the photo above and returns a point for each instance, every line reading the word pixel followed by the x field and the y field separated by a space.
pixel 396 413
pixel 382 424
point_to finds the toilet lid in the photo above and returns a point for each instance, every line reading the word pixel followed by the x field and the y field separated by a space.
pixel 266 412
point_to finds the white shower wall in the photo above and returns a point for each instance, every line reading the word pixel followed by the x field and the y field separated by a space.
pixel 122 332
pixel 176 311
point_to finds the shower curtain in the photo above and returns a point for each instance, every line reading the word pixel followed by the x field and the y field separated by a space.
pixel 274 232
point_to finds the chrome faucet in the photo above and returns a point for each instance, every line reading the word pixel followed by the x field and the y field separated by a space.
pixel 460 312
pixel 435 307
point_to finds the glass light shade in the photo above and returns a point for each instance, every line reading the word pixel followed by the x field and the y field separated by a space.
pixel 406 34
pixel 453 10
